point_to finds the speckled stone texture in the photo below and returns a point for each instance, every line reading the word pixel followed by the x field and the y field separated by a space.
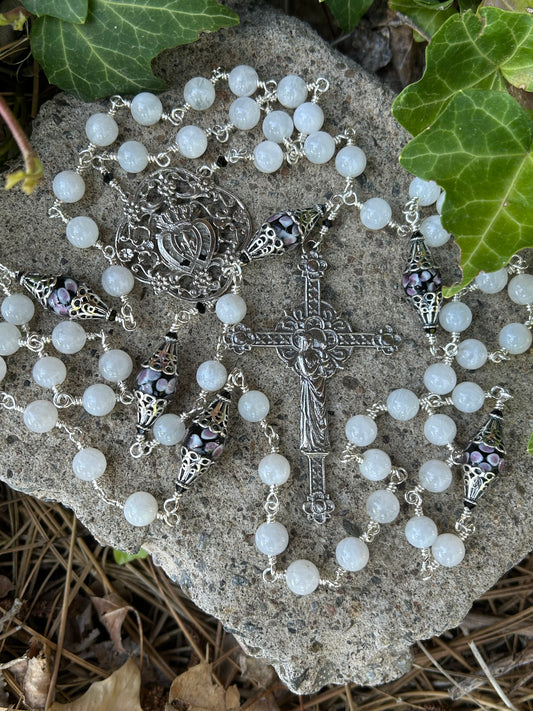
pixel 364 630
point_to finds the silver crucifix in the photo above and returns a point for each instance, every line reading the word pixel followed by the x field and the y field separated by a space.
pixel 314 341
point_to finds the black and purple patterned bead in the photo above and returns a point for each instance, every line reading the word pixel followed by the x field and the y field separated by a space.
pixel 66 297
pixel 60 299
pixel 204 441
pixel 155 383
pixel 422 283
pixel 483 459
pixel 286 228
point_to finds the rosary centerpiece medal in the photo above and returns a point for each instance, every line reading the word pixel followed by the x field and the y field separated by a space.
pixel 181 234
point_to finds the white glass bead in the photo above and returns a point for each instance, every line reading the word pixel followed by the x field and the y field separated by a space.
pixel 520 289
pixel 440 378
pixel 140 508
pixel 9 339
pixel 277 125
pixel 271 538
pixel 448 550
pixel 319 147
pixel 68 186
pixel 440 201
pixel 115 365
pixel 40 416
pixel 350 161
pixel 434 233
pixel 82 232
pixel 268 157
pixel 244 113
pixel 435 475
pixel 101 129
pixel 492 282
pixel 308 117
pixel 302 577
pixel 68 337
pixel 274 469
pixel 192 141
pixel 361 430
pixel 403 404
pixel 515 337
pixel 132 156
pixel 471 354
pixel 427 191
pixel 253 406
pixel 468 397
pixel 211 375
pixel 3 369
pixel 169 429
pixel 230 308
pixel 292 91
pixel 421 531
pixel 98 399
pixel 49 372
pixel 199 93
pixel 352 554
pixel 17 309
pixel 243 80
pixel 376 464
pixel 375 213
pixel 117 280
pixel 383 506
pixel 440 429
pixel 89 464
pixel 455 317
pixel 146 108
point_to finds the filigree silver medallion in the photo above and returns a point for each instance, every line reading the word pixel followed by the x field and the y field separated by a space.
pixel 181 235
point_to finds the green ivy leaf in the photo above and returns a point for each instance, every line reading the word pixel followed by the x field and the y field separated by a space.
pixel 348 12
pixel 122 558
pixel 68 10
pixel 427 18
pixel 479 151
pixel 530 445
pixel 111 52
pixel 469 52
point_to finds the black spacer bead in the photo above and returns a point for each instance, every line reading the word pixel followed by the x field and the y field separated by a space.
pixel 327 223
pixel 200 307
pixel 108 177
pixel 222 162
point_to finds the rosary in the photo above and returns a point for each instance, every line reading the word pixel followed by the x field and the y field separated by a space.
pixel 189 239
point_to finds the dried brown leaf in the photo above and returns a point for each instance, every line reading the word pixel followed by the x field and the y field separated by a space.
pixel 112 611
pixel 195 690
pixel 119 691
pixel 32 674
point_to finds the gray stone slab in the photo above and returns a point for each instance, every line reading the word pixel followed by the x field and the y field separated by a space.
pixel 364 630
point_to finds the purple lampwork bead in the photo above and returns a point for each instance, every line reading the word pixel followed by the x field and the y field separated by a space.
pixel 483 459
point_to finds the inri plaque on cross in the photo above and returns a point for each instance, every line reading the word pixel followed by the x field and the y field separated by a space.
pixel 314 341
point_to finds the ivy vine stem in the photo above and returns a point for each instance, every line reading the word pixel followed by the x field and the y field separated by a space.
pixel 33 169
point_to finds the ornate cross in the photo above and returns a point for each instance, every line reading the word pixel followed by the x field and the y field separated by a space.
pixel 314 341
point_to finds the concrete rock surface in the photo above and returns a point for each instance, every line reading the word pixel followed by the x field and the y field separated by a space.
pixel 362 631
